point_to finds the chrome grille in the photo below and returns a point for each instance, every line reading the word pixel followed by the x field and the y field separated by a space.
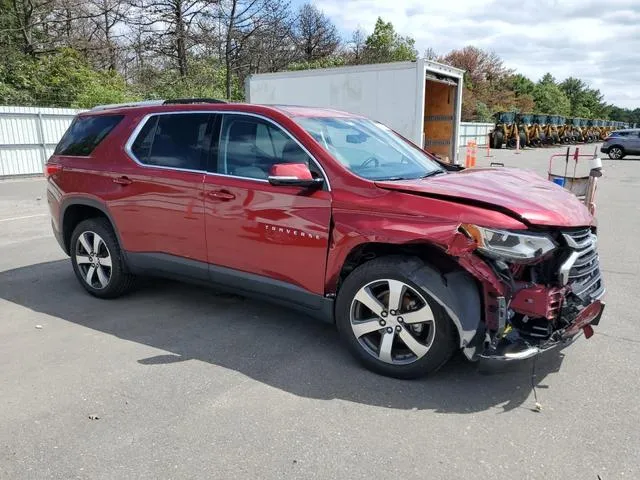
pixel 584 276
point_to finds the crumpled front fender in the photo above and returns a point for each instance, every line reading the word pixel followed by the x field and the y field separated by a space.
pixel 458 295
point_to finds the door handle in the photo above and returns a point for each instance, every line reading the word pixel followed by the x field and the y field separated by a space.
pixel 223 195
pixel 123 181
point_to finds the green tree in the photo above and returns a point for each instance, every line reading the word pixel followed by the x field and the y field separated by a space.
pixel 549 98
pixel 547 79
pixel 63 79
pixel 585 101
pixel 385 45
pixel 327 62
pixel 521 85
pixel 483 114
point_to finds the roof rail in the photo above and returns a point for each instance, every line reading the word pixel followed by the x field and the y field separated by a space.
pixel 147 103
pixel 177 101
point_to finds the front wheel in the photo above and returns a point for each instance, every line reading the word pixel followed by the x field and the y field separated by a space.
pixel 390 324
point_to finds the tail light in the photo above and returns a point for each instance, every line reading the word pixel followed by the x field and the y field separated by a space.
pixel 52 169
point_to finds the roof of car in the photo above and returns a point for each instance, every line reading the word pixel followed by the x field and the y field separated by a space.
pixel 156 106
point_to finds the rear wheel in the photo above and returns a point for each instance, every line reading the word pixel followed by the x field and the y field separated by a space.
pixel 97 259
pixel 616 153
pixel 392 325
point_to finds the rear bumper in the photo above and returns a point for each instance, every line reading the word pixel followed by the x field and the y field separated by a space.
pixel 58 234
pixel 513 347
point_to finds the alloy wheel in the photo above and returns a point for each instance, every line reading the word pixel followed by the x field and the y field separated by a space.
pixel 615 153
pixel 392 321
pixel 94 260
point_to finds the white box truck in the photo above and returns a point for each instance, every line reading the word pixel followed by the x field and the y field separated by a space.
pixel 421 100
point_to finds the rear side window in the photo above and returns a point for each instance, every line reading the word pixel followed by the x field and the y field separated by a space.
pixel 175 141
pixel 85 134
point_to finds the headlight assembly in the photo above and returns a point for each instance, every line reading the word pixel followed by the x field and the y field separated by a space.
pixel 510 246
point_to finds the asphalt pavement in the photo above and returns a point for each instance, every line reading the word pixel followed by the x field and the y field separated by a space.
pixel 178 381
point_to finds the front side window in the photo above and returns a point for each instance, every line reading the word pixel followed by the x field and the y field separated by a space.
pixel 85 134
pixel 250 146
pixel 369 149
pixel 177 141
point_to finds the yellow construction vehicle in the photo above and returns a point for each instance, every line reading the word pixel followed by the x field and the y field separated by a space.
pixel 502 130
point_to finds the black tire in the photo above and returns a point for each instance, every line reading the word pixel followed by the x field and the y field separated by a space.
pixel 512 142
pixel 523 140
pixel 398 268
pixel 496 140
pixel 120 281
pixel 616 152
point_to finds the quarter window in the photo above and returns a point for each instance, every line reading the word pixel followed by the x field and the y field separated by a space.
pixel 85 134
pixel 249 147
pixel 175 141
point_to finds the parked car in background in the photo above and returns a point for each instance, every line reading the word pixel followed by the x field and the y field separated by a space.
pixel 621 143
pixel 332 214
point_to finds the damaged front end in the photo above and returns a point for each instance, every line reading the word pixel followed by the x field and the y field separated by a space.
pixel 540 289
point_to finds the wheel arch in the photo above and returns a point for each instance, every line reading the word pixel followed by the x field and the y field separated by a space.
pixel 75 210
pixel 451 286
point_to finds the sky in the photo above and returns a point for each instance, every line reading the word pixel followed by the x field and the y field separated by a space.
pixel 595 40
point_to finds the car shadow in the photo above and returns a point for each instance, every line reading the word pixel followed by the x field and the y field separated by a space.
pixel 267 343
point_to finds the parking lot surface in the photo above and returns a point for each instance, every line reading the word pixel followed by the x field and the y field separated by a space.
pixel 178 381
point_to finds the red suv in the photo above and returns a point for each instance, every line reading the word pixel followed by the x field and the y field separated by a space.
pixel 332 214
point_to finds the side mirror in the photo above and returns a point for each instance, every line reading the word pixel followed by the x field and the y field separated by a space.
pixel 293 174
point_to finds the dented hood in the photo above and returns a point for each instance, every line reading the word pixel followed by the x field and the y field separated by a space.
pixel 520 193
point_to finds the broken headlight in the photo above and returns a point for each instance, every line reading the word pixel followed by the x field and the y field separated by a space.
pixel 509 246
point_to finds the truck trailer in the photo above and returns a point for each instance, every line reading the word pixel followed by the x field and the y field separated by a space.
pixel 420 100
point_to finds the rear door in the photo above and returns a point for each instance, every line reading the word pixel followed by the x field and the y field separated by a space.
pixel 634 143
pixel 277 232
pixel 159 203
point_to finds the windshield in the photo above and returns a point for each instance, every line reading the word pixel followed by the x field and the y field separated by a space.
pixel 370 149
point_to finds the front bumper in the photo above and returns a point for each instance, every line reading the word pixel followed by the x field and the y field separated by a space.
pixel 604 149
pixel 513 347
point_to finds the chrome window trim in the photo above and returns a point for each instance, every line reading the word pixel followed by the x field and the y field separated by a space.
pixel 145 119
pixel 136 132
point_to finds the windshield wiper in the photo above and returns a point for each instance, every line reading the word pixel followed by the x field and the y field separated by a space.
pixel 434 173
pixel 391 179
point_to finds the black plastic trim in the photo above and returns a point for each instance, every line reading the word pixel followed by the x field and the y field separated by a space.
pixel 88 202
pixel 235 281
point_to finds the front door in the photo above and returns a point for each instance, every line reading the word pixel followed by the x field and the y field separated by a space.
pixel 159 202
pixel 634 143
pixel 277 232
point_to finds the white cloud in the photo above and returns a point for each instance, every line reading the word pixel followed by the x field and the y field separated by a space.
pixel 596 41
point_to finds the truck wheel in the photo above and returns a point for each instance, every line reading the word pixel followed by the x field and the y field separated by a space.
pixel 97 259
pixel 497 140
pixel 390 323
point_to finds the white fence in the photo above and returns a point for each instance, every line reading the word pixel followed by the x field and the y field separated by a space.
pixel 477 132
pixel 28 136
